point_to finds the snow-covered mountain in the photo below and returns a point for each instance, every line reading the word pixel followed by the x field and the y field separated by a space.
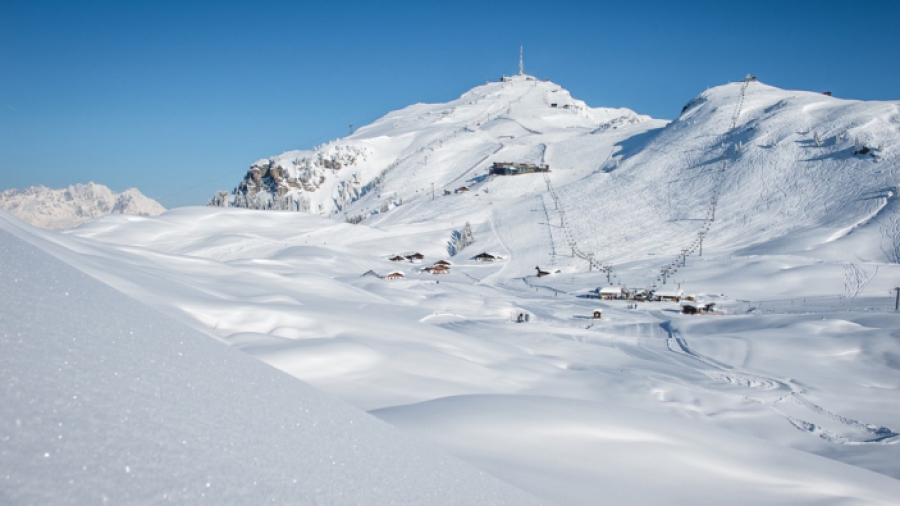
pixel 744 165
pixel 69 207
pixel 514 120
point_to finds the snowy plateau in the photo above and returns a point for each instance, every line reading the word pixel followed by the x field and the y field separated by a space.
pixel 69 207
pixel 505 378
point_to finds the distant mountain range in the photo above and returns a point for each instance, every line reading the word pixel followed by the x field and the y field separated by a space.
pixel 69 207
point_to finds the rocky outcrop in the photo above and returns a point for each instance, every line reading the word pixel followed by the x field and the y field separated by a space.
pixel 281 182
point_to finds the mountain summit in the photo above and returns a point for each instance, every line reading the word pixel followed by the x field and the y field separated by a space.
pixel 514 120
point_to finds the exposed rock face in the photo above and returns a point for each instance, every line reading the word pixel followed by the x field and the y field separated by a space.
pixel 69 207
pixel 280 182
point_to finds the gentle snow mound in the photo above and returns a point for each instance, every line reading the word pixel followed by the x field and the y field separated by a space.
pixel 584 453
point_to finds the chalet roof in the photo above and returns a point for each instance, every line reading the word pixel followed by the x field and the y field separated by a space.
pixel 611 290
pixel 418 256
pixel 395 274
pixel 442 262
pixel 485 255
pixel 698 303
pixel 397 258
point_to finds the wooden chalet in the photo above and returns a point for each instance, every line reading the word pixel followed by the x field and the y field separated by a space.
pixel 415 256
pixel 443 262
pixel 486 257
pixel 437 269
pixel 462 189
pixel 394 275
pixel 397 258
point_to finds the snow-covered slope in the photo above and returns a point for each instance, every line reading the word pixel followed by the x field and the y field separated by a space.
pixel 69 207
pixel 800 173
pixel 603 453
pixel 564 407
pixel 105 400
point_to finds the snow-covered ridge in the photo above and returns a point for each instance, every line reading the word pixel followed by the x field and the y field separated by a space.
pixel 69 207
pixel 799 171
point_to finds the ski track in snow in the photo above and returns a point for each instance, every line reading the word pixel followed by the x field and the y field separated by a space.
pixel 724 373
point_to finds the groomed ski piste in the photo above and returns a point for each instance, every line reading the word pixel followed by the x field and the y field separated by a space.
pixel 788 394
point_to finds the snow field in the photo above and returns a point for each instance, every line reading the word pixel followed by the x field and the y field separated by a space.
pixel 107 400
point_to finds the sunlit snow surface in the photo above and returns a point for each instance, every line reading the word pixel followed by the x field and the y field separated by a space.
pixel 105 400
pixel 791 396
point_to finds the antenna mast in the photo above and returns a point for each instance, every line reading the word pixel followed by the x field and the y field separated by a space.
pixel 521 62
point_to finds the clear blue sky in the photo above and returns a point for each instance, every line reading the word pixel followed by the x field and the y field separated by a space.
pixel 177 98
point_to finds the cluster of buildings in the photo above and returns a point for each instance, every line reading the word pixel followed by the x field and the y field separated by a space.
pixel 439 267
pixel 659 295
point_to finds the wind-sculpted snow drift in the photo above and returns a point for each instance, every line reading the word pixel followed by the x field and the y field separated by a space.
pixel 795 193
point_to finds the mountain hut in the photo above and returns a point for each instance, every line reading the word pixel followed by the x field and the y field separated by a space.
pixel 516 168
pixel 439 269
pixel 668 295
pixel 610 292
